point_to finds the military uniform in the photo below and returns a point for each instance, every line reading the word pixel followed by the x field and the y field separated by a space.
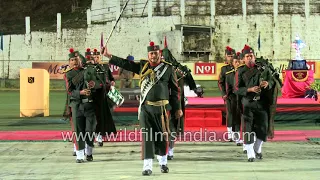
pixel 177 125
pixel 105 122
pixel 102 77
pixel 222 86
pixel 83 113
pixel 255 113
pixel 234 114
pixel 155 82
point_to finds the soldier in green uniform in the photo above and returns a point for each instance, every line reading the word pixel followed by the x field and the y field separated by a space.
pixel 104 80
pixel 106 125
pixel 157 77
pixel 253 87
pixel 233 111
pixel 177 125
pixel 229 53
pixel 83 116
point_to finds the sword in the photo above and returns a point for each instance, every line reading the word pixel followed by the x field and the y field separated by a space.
pixel 114 27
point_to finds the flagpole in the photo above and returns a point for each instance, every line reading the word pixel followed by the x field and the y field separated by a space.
pixel 2 50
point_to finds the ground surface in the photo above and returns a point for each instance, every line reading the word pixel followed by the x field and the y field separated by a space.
pixel 53 160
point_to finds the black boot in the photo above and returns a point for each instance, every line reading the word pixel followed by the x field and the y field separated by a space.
pixel 259 155
pixel 251 160
pixel 89 157
pixel 147 172
pixel 170 157
pixel 164 168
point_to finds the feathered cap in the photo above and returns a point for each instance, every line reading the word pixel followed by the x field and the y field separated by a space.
pixel 246 50
pixel 238 55
pixel 153 47
pixel 230 51
pixel 73 53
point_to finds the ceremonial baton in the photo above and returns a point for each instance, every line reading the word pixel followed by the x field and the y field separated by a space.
pixel 114 27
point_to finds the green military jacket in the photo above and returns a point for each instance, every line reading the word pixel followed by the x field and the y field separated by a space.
pixel 159 89
pixel 74 84
pixel 230 82
pixel 246 77
pixel 222 78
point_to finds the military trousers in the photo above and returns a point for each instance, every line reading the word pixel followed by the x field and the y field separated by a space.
pixel 234 115
pixel 255 120
pixel 84 124
pixel 175 126
pixel 154 124
pixel 232 112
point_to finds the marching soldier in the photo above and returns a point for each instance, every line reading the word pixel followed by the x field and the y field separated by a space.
pixel 177 125
pixel 233 112
pixel 105 124
pixel 229 53
pixel 252 86
pixel 83 117
pixel 157 77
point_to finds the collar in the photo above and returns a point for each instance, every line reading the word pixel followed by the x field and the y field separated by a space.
pixel 154 64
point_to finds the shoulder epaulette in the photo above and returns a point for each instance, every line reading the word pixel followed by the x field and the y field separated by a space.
pixel 230 71
pixel 225 65
pixel 242 65
pixel 166 62
pixel 143 60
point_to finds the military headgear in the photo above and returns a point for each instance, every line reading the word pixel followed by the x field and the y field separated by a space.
pixel 246 50
pixel 153 47
pixel 88 52
pixel 238 56
pixel 73 53
pixel 130 58
pixel 230 51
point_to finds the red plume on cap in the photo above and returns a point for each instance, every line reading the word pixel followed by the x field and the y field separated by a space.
pixel 151 43
pixel 95 50
pixel 246 47
pixel 71 50
pixel 238 53
pixel 88 49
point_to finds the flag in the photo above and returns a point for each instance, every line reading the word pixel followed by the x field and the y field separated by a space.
pixel 259 43
pixel 101 41
pixel 1 42
pixel 165 42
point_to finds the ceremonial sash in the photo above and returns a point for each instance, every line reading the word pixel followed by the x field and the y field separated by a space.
pixel 147 85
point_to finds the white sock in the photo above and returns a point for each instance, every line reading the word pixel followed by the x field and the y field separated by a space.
pixel 99 138
pixel 236 137
pixel 88 150
pixel 170 152
pixel 258 146
pixel 163 160
pixel 250 151
pixel 244 147
pixel 74 147
pixel 147 164
pixel 80 154
pixel 229 129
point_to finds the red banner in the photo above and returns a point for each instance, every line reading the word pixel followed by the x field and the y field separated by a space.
pixel 205 68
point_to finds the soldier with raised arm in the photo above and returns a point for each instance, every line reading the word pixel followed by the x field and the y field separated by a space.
pixel 156 78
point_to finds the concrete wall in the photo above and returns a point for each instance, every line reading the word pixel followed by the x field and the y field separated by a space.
pixel 233 27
